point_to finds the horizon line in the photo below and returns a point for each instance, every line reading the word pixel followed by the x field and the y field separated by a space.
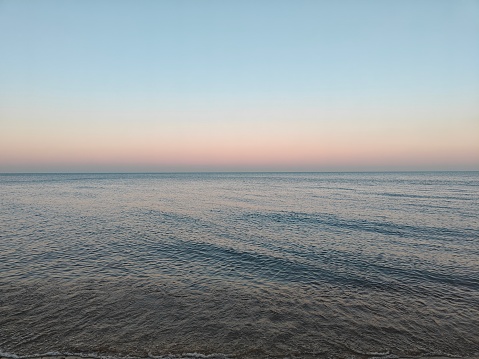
pixel 231 172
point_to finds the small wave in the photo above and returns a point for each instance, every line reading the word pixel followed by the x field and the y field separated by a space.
pixel 194 355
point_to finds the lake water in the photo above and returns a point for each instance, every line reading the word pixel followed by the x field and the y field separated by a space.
pixel 241 264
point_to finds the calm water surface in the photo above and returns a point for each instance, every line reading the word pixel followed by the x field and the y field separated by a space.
pixel 248 265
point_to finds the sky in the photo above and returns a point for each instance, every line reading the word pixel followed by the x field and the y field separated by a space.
pixel 250 85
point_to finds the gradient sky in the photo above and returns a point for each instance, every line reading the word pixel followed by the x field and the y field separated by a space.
pixel 191 85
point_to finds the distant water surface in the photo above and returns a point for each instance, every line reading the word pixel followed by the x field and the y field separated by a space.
pixel 244 264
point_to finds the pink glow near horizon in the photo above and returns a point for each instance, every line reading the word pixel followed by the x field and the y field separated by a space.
pixel 284 140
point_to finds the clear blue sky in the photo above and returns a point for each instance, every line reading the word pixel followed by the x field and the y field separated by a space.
pixel 72 68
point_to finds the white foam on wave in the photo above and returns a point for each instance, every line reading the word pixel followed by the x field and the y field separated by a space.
pixel 101 356
pixel 8 355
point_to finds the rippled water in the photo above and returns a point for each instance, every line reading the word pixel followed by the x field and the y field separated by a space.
pixel 249 265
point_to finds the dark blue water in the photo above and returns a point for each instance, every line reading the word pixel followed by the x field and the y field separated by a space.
pixel 249 265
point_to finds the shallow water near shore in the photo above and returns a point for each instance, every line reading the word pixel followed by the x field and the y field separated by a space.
pixel 243 265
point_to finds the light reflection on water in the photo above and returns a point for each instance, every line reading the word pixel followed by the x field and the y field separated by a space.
pixel 243 264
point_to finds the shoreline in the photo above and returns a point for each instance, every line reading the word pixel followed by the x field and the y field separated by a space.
pixel 56 355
